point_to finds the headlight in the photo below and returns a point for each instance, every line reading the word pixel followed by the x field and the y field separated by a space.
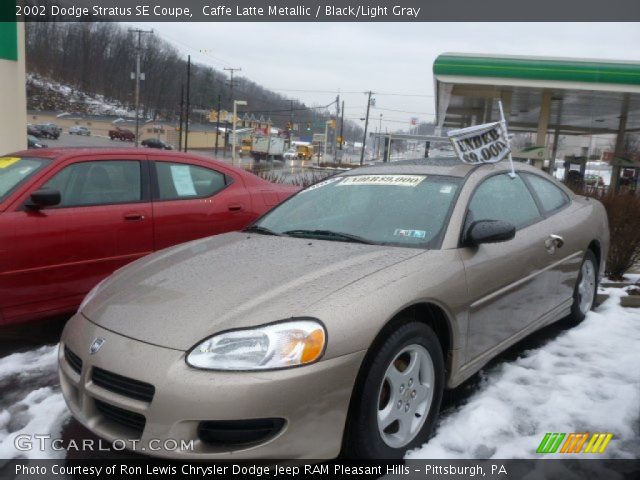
pixel 278 345
pixel 90 295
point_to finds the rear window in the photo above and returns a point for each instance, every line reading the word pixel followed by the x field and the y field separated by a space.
pixel 14 171
pixel 551 197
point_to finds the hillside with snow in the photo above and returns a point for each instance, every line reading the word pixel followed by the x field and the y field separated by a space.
pixel 44 94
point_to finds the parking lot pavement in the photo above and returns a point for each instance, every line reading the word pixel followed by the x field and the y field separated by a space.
pixel 67 140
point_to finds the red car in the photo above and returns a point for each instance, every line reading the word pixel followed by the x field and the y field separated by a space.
pixel 70 217
pixel 122 134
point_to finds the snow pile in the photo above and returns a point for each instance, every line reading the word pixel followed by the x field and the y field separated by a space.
pixel 585 380
pixel 31 403
pixel 46 94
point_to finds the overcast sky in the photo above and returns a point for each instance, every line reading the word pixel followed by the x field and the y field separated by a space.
pixel 394 59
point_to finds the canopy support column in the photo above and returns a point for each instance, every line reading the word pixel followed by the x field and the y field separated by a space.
pixel 619 148
pixel 543 124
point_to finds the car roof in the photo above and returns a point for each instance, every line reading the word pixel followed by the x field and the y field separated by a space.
pixel 449 166
pixel 59 154
pixel 446 166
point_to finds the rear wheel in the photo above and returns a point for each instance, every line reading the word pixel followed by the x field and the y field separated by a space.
pixel 584 295
pixel 399 395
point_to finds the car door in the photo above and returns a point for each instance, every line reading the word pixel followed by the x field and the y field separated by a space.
pixel 193 201
pixel 102 222
pixel 509 283
pixel 565 248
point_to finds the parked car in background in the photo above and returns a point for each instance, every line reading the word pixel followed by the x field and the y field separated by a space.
pixel 122 134
pixel 70 217
pixel 50 130
pixel 335 322
pixel 291 154
pixel 79 130
pixel 34 131
pixel 34 142
pixel 156 143
pixel 593 180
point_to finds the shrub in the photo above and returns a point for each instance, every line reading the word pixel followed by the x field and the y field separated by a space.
pixel 623 210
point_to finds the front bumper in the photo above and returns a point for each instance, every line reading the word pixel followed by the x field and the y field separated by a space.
pixel 313 400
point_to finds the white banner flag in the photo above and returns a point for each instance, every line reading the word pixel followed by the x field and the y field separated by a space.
pixel 486 143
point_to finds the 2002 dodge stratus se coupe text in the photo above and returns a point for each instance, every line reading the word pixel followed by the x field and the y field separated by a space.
pixel 335 322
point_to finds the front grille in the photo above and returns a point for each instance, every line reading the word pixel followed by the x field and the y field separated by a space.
pixel 74 361
pixel 123 385
pixel 131 420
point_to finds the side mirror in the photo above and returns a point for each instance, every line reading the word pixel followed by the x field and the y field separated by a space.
pixel 489 231
pixel 44 198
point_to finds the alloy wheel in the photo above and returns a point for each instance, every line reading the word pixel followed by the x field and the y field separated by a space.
pixel 405 396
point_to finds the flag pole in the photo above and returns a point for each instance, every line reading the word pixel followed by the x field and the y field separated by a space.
pixel 506 133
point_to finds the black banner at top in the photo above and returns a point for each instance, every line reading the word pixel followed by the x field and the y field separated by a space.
pixel 321 10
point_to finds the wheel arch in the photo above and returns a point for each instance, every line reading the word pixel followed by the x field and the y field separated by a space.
pixel 595 247
pixel 427 312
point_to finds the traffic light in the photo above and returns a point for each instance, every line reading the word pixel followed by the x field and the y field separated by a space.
pixel 309 127
pixel 288 125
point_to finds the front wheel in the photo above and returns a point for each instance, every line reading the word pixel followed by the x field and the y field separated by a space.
pixel 398 396
pixel 586 288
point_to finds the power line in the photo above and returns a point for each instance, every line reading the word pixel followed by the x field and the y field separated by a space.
pixel 403 111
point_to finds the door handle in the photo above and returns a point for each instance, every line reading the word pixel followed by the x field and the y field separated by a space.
pixel 234 207
pixel 133 216
pixel 552 242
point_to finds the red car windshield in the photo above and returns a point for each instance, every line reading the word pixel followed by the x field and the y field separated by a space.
pixel 14 171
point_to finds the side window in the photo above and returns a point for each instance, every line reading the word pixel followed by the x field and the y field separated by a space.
pixel 181 181
pixel 550 195
pixel 98 183
pixel 501 197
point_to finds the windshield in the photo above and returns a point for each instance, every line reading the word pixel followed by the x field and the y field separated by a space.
pixel 16 170
pixel 400 210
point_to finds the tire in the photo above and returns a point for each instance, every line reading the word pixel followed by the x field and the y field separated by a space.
pixel 589 274
pixel 366 435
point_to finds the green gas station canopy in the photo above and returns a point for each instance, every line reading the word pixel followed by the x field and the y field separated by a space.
pixel 587 96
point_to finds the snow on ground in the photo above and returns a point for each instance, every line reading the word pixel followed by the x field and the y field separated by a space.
pixel 96 104
pixel 37 409
pixel 585 380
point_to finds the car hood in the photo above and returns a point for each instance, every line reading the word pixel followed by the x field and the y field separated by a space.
pixel 179 296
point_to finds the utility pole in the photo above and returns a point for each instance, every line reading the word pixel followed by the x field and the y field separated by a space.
pixel 378 139
pixel 186 130
pixel 342 128
pixel 138 56
pixel 231 82
pixel 366 124
pixel 290 123
pixel 181 117
pixel 217 126
pixel 231 71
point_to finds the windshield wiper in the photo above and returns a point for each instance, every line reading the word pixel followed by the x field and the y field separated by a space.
pixel 328 233
pixel 259 229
